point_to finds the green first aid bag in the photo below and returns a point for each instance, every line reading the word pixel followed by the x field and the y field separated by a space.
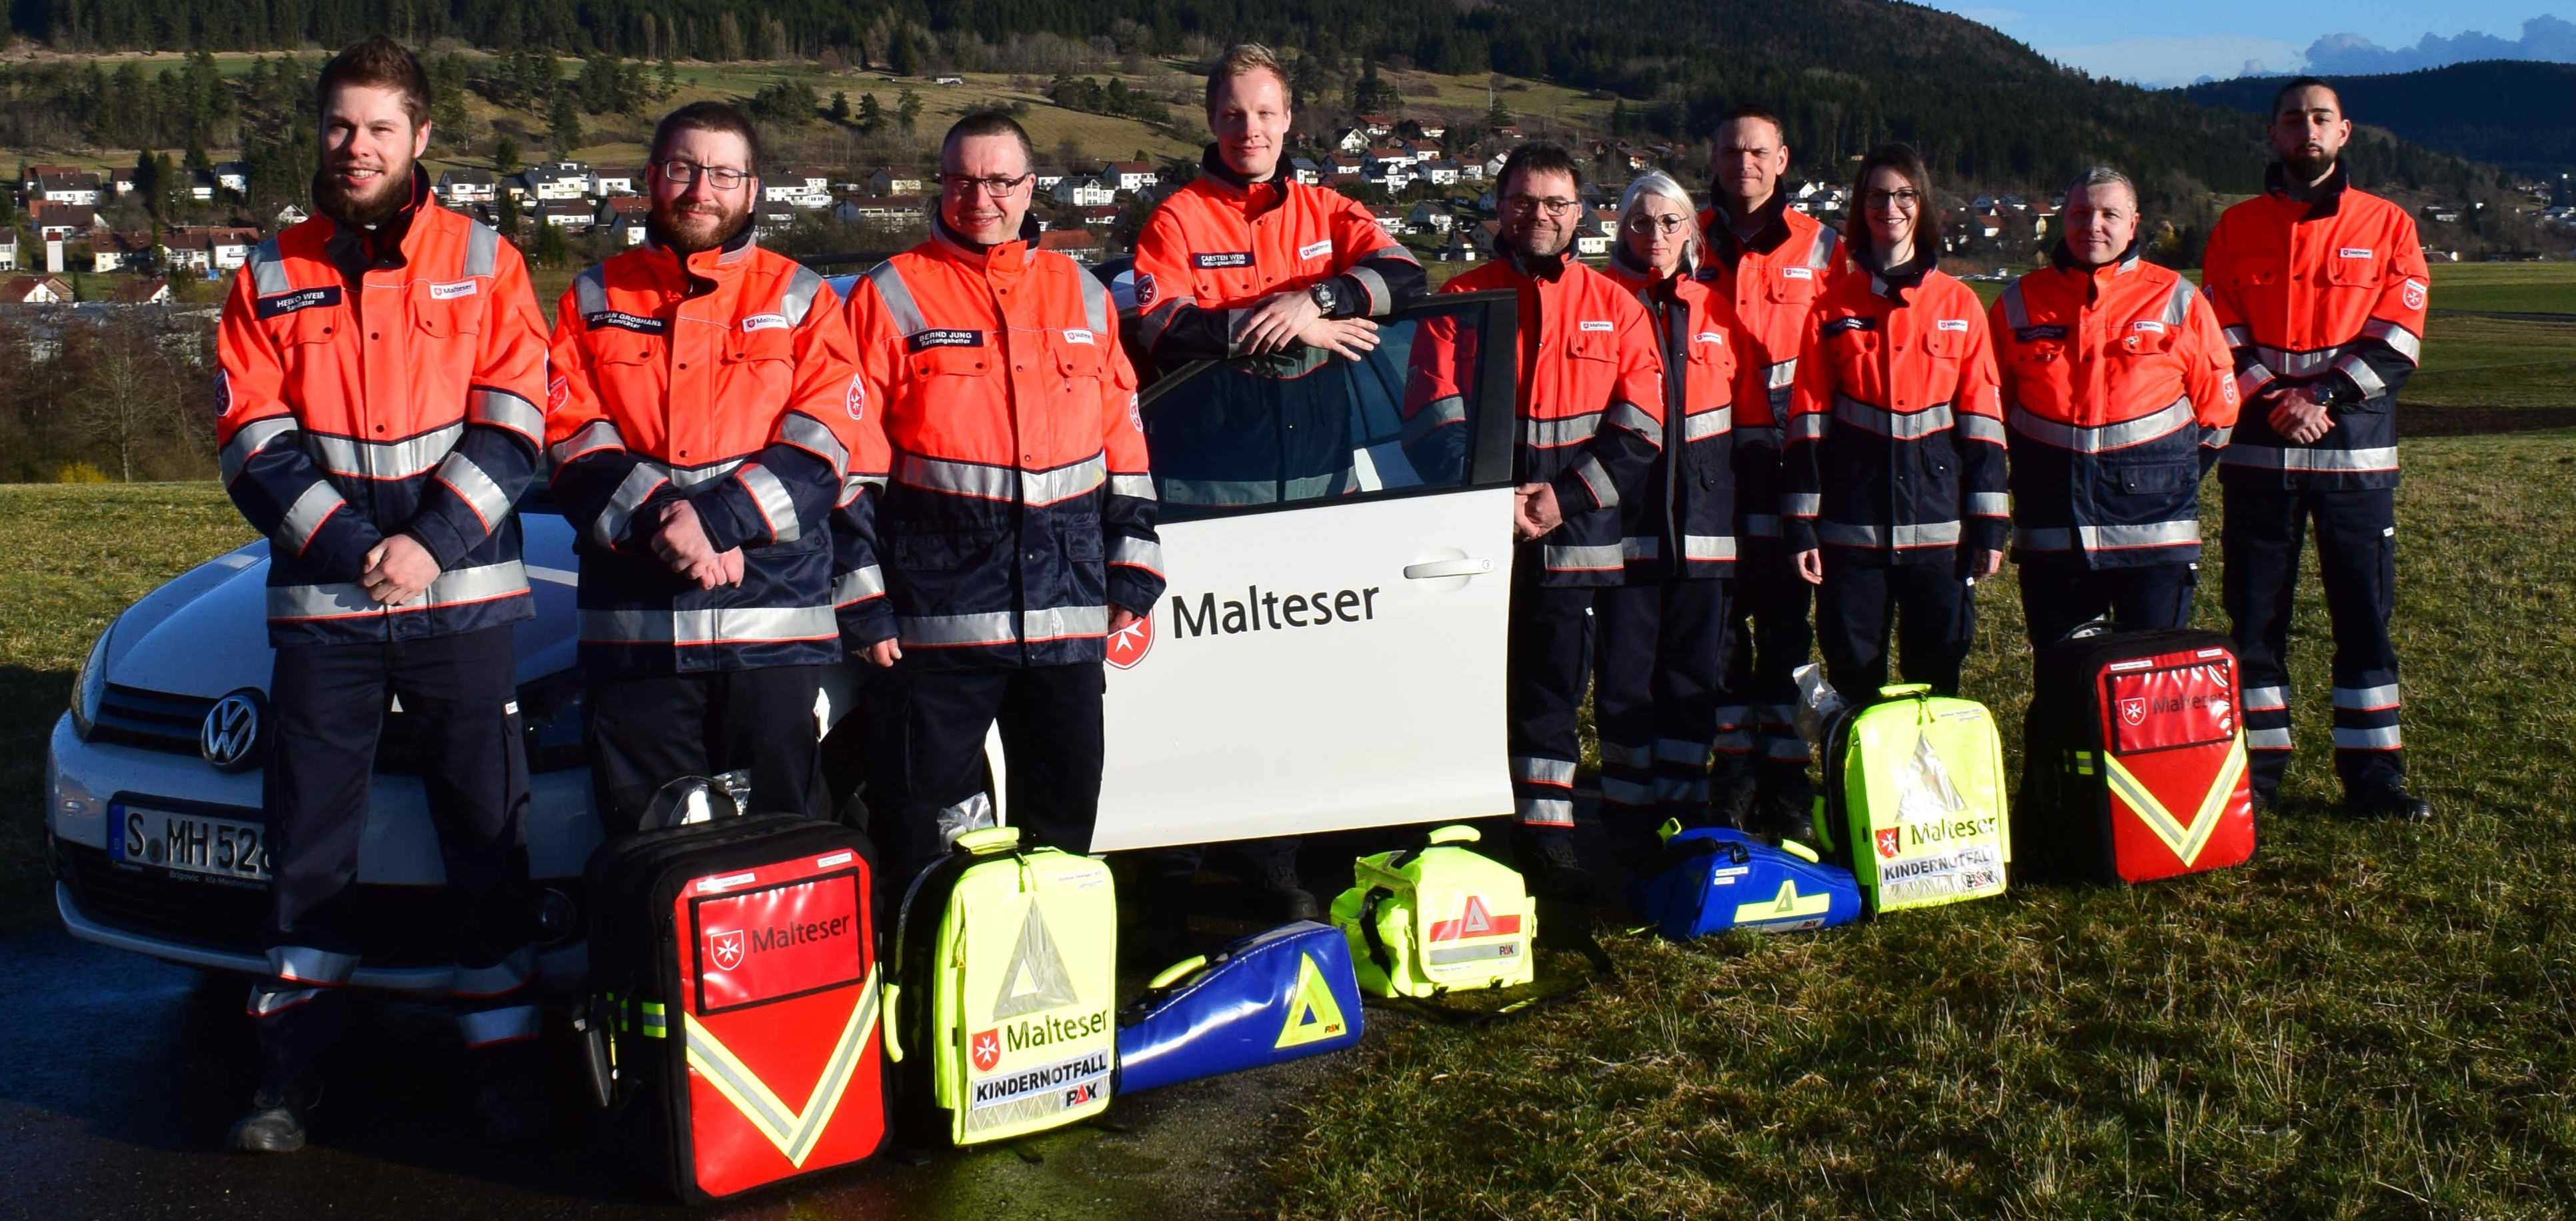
pixel 1005 979
pixel 1439 918
pixel 1914 799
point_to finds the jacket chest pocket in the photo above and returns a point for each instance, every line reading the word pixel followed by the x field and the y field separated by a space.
pixel 1078 362
pixel 628 369
pixel 303 338
pixel 761 363
pixel 1790 285
pixel 2256 276
pixel 1945 343
pixel 1589 369
pixel 1851 349
pixel 2141 342
pixel 442 311
pixel 2353 273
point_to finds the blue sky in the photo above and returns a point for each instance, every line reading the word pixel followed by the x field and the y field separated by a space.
pixel 2179 40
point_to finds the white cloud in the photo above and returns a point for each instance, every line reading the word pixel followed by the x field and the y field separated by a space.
pixel 2174 60
pixel 2543 37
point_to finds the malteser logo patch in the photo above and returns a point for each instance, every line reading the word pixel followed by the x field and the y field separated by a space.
pixel 765 322
pixel 1599 324
pixel 2414 294
pixel 1080 335
pixel 2356 252
pixel 1950 324
pixel 1315 250
pixel 449 292
pixel 923 341
pixel 301 299
pixel 1797 273
pixel 2148 325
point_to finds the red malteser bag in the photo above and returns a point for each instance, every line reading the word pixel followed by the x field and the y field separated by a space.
pixel 735 1002
pixel 2133 766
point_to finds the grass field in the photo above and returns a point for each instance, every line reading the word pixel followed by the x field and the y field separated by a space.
pixel 2367 1021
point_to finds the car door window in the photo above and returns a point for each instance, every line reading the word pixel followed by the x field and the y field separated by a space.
pixel 1264 432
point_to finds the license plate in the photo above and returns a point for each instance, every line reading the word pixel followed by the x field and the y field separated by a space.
pixel 190 843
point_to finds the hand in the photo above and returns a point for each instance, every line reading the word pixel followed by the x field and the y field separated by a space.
pixel 1811 565
pixel 1988 563
pixel 884 653
pixel 681 541
pixel 1120 617
pixel 1348 338
pixel 1274 324
pixel 724 568
pixel 1535 511
pixel 398 570
pixel 2300 419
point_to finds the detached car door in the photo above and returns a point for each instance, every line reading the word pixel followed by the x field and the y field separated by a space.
pixel 1337 537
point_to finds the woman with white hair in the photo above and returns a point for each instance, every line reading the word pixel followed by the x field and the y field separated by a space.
pixel 1661 650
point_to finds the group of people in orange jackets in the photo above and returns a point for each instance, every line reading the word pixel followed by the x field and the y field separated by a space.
pixel 944 477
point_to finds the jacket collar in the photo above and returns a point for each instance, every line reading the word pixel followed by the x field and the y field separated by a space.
pixel 705 268
pixel 1895 283
pixel 388 244
pixel 2276 181
pixel 1774 231
pixel 1636 277
pixel 2124 264
pixel 1011 256
pixel 1548 269
pixel 1213 168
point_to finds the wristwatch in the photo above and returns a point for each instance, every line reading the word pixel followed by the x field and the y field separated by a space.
pixel 1324 297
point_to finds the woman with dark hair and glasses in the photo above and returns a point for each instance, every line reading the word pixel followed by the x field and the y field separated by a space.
pixel 1660 655
pixel 1894 458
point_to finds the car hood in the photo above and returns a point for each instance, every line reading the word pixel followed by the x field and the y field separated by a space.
pixel 206 632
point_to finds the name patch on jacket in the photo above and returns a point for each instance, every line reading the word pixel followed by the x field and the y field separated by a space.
pixel 301 299
pixel 2033 334
pixel 1840 325
pixel 622 321
pixel 923 341
pixel 1223 258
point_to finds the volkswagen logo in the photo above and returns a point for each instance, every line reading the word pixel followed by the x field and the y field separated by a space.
pixel 230 737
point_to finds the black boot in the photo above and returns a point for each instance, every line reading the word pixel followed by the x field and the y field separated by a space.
pixel 2388 801
pixel 1163 935
pixel 1549 866
pixel 275 1123
pixel 1283 894
pixel 510 1098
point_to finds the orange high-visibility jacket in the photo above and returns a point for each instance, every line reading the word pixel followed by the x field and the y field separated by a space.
pixel 1682 522
pixel 370 388
pixel 2333 291
pixel 1772 281
pixel 1008 505
pixel 1590 400
pixel 1220 244
pixel 2118 392
pixel 1895 446
pixel 726 378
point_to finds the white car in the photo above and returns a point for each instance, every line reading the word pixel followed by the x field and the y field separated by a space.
pixel 1329 656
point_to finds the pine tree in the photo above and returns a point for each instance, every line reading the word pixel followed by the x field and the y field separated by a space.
pixel 840 106
pixel 907 109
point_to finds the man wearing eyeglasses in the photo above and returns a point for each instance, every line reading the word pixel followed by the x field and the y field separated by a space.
pixel 1772 261
pixel 1591 404
pixel 701 422
pixel 1008 521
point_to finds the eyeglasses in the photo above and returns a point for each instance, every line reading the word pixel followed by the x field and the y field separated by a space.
pixel 1666 225
pixel 721 177
pixel 1524 204
pixel 996 186
pixel 1905 200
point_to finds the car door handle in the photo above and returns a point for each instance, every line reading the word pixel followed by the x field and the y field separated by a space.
pixel 1468 567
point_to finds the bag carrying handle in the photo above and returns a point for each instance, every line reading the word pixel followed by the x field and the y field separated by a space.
pixel 986 841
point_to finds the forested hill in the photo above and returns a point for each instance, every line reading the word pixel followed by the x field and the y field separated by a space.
pixel 2517 114
pixel 1844 73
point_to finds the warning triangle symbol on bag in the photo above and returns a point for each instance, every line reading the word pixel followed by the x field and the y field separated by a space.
pixel 1475 923
pixel 1313 1014
pixel 1036 979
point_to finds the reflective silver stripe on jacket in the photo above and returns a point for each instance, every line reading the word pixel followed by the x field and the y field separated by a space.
pixel 1604 493
pixel 858 584
pixel 775 504
pixel 1003 627
pixel 1033 488
pixel 453 588
pixel 502 409
pixel 2366 699
pixel 694 476
pixel 630 495
pixel 265 1000
pixel 2251 380
pixel 2237 336
pixel 268 270
pixel 590 290
pixel 2363 376
pixel 1603 558
pixel 2178 305
pixel 1380 297
pixel 1238 492
pixel 2109 538
pixel 2384 737
pixel 1532 769
pixel 1708 424
pixel 253 437
pixel 1634 418
pixel 1139 487
pixel 1782 375
pixel 2016 313
pixel 1641 547
pixel 1904 426
pixel 381 460
pixel 797 300
pixel 1808 426
pixel 2267 739
pixel 2266 699
pixel 2404 342
pixel 1620 791
pixel 1925 534
pixel 1136 552
pixel 590 439
pixel 898 295
pixel 468 480
pixel 1550 434
pixel 305 517
pixel 2297 364
pixel 721 625
pixel 813 436
pixel 490 1026
pixel 1625 755
pixel 1989 504
pixel 2311 461
pixel 500 979
pixel 1984 428
pixel 1544 811
pixel 1448 409
pixel 304 964
pixel 1708 548
pixel 482 248
pixel 1095 300
pixel 2096 439
pixel 1802 504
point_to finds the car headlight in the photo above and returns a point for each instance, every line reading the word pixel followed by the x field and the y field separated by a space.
pixel 89 682
pixel 550 719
